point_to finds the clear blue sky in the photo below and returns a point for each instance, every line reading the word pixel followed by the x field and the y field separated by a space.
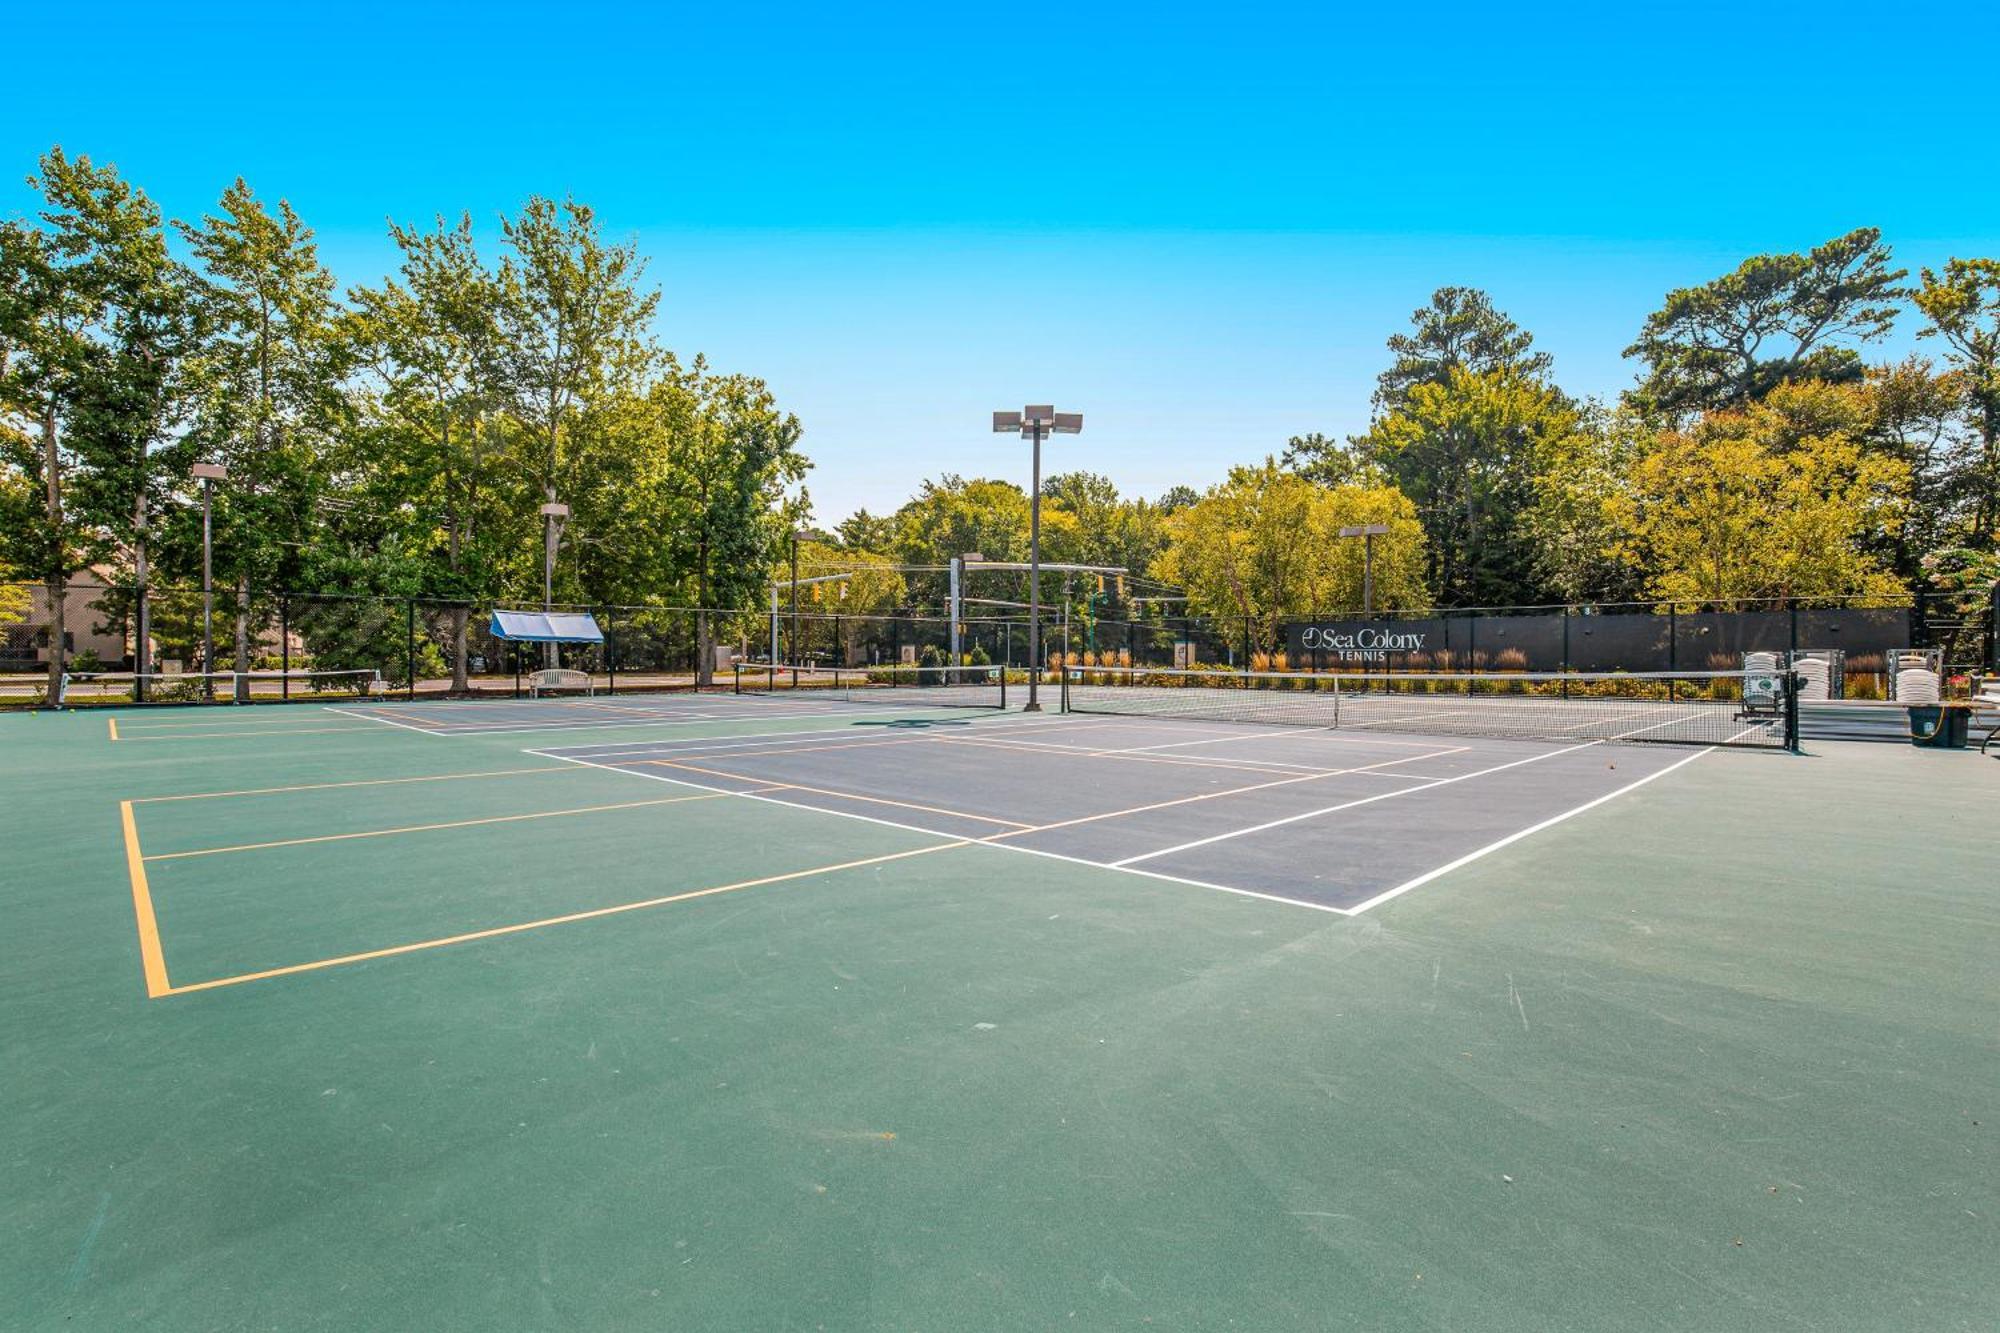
pixel 1194 224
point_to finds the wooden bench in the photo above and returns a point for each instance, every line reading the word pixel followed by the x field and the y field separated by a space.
pixel 559 678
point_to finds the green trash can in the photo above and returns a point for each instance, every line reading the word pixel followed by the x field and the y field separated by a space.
pixel 1939 726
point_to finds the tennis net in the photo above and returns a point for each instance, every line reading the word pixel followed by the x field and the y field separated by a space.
pixel 213 687
pixel 1686 708
pixel 905 686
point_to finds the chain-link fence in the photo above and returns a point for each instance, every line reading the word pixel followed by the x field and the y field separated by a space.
pixel 434 647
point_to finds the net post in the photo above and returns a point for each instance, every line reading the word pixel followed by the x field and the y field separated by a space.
pixel 1792 711
pixel 736 681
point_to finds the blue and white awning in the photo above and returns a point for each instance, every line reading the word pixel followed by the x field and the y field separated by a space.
pixel 547 626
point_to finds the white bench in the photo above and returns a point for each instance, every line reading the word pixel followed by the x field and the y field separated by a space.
pixel 559 678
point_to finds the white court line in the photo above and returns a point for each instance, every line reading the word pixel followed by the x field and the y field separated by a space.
pixel 1218 795
pixel 1329 734
pixel 457 732
pixel 695 746
pixel 934 833
pixel 1512 838
pixel 383 721
pixel 1349 805
pixel 1246 765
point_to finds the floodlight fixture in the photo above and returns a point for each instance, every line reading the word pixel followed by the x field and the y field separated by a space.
pixel 1036 422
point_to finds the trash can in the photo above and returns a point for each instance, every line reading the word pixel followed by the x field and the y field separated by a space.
pixel 1939 726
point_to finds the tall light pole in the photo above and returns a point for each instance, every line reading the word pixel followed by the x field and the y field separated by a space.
pixel 208 474
pixel 1367 532
pixel 1036 423
pixel 553 515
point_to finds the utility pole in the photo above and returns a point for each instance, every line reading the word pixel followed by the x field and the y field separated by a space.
pixel 553 515
pixel 1367 532
pixel 1036 423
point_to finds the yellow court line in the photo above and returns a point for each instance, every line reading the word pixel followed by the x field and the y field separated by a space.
pixel 257 717
pixel 1217 795
pixel 151 959
pixel 426 828
pixel 563 920
pixel 248 731
pixel 835 792
pixel 364 782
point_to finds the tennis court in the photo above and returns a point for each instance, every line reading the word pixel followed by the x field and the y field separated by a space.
pixel 814 1004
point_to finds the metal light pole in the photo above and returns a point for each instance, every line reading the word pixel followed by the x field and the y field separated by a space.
pixel 208 474
pixel 1035 423
pixel 553 515
pixel 1367 532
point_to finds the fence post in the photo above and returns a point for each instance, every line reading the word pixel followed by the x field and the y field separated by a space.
pixel 1471 650
pixel 611 653
pixel 1992 662
pixel 410 647
pixel 1673 647
pixel 285 648
pixel 1246 643
pixel 1565 656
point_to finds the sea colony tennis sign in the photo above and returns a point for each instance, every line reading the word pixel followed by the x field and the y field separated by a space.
pixel 1354 643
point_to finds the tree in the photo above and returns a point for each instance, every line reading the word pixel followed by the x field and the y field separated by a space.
pixel 93 322
pixel 1459 330
pixel 267 379
pixel 1264 547
pixel 574 340
pixel 1467 453
pixel 1914 417
pixel 952 515
pixel 729 455
pixel 1963 306
pixel 1177 498
pixel 1778 499
pixel 863 531
pixel 874 588
pixel 1570 524
pixel 428 449
pixel 1328 461
pixel 1781 317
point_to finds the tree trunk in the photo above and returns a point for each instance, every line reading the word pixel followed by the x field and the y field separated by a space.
pixel 142 611
pixel 56 580
pixel 242 637
pixel 459 684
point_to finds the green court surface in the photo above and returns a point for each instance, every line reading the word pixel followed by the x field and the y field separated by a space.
pixel 313 1021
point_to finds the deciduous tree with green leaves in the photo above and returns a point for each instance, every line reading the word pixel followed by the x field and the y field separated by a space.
pixel 1264 547
pixel 431 439
pixel 1782 498
pixel 1467 453
pixel 94 321
pixel 730 457
pixel 575 340
pixel 269 404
